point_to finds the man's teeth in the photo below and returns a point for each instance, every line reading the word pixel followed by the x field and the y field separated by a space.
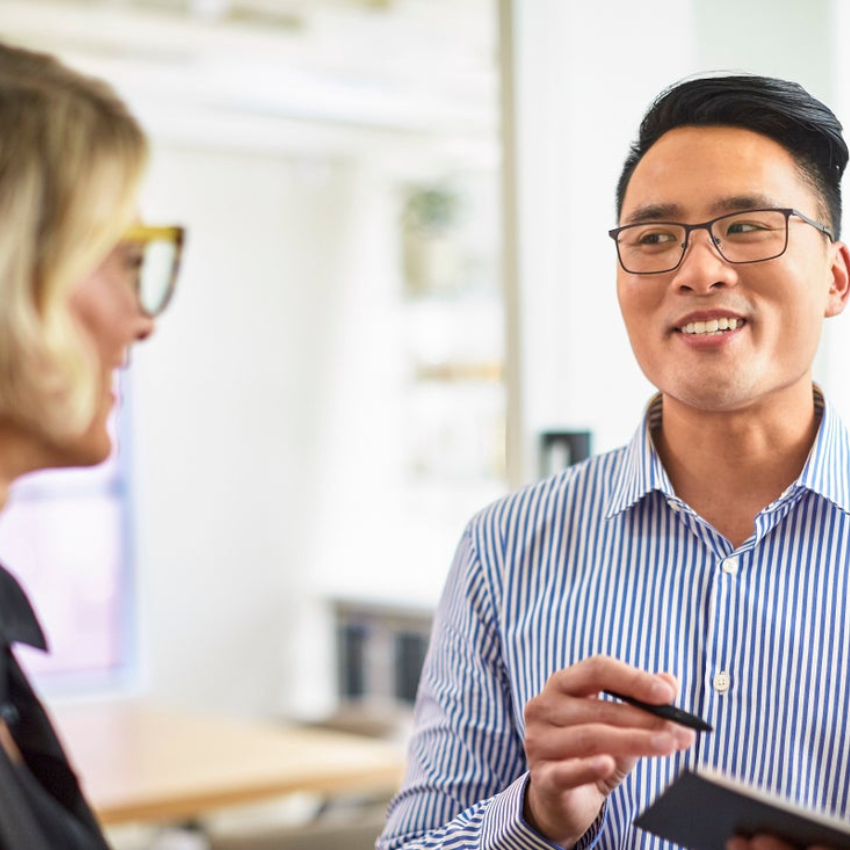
pixel 711 327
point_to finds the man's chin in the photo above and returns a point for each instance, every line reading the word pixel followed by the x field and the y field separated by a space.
pixel 724 394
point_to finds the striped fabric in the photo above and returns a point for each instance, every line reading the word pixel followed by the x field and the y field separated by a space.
pixel 603 558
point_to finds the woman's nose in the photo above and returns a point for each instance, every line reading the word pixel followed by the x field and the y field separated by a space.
pixel 144 327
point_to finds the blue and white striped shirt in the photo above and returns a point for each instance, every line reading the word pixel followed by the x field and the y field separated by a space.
pixel 604 558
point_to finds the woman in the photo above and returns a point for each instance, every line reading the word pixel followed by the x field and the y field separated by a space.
pixel 80 281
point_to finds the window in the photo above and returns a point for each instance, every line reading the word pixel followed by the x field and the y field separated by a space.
pixel 65 535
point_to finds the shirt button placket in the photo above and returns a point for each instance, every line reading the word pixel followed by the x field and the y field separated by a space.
pixel 721 679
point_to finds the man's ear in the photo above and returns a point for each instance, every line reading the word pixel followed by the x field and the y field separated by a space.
pixel 839 287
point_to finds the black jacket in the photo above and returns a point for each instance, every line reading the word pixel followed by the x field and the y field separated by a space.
pixel 41 805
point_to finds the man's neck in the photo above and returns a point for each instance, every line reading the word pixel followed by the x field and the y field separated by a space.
pixel 729 465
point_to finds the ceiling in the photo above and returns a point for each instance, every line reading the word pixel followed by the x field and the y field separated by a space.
pixel 262 69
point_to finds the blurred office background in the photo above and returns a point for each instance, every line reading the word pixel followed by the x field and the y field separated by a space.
pixel 397 280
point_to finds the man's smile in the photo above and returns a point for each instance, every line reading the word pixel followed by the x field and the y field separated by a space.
pixel 712 326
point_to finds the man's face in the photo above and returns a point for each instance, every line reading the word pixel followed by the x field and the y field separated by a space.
pixel 691 175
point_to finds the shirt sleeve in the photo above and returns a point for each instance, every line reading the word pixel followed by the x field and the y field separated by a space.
pixel 466 771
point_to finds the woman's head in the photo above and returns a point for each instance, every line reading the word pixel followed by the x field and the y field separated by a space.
pixel 71 156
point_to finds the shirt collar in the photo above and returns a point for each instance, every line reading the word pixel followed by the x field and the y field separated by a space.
pixel 641 471
pixel 826 471
pixel 18 623
pixel 827 468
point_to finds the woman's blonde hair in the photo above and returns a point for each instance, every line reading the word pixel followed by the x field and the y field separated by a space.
pixel 71 156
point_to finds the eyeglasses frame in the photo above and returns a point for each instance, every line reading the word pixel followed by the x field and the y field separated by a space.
pixel 175 234
pixel 615 232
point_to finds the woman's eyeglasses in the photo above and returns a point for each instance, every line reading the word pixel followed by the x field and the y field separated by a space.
pixel 161 247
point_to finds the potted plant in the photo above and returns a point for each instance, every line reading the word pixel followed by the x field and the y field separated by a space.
pixel 430 245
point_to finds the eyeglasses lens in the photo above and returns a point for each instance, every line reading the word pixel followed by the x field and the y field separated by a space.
pixel 157 276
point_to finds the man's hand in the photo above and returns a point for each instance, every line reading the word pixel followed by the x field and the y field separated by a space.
pixel 579 748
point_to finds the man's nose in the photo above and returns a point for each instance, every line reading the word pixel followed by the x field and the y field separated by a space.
pixel 703 268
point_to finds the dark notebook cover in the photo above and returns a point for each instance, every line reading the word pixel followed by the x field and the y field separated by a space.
pixel 703 809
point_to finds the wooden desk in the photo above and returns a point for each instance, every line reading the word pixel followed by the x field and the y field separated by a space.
pixel 140 763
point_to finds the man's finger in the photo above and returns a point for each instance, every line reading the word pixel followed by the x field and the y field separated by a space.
pixel 599 673
pixel 562 744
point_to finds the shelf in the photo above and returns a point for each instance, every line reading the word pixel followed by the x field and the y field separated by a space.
pixel 485 373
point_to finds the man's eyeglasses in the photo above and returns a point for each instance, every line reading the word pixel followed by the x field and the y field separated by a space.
pixel 161 249
pixel 742 237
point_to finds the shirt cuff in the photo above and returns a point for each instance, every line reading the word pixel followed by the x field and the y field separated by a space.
pixel 505 826
pixel 591 837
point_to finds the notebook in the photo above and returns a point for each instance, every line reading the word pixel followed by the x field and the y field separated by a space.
pixel 703 808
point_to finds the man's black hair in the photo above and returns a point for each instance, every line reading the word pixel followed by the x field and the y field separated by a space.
pixel 779 109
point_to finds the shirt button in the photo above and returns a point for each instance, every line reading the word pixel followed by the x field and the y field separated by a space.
pixel 674 506
pixel 722 682
pixel 729 566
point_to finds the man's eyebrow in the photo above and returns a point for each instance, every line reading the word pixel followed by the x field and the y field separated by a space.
pixel 674 212
pixel 654 212
pixel 737 203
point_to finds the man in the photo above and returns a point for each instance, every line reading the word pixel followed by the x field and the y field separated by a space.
pixel 714 547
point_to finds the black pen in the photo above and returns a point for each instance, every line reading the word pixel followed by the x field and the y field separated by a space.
pixel 668 712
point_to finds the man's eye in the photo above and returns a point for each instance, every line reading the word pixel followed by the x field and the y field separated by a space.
pixel 745 227
pixel 656 237
pixel 755 225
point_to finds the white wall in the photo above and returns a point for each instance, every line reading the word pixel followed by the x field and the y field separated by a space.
pixel 268 435
pixel 229 401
